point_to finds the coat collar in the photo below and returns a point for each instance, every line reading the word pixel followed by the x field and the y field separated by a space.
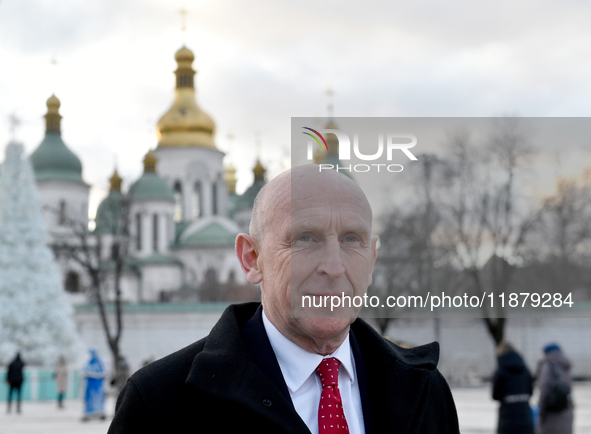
pixel 226 370
pixel 396 379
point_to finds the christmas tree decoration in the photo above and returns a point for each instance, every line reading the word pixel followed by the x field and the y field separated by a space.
pixel 36 317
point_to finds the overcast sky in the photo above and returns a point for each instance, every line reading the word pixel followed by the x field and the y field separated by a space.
pixel 260 62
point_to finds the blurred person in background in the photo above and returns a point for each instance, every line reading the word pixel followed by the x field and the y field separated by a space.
pixel 60 375
pixel 554 381
pixel 14 378
pixel 94 395
pixel 512 387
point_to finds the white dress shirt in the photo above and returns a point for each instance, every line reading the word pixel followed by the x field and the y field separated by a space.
pixel 298 367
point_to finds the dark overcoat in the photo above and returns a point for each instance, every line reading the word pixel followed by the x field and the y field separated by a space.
pixel 230 382
pixel 513 386
pixel 14 376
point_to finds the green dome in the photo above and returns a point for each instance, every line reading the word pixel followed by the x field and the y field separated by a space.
pixel 109 215
pixel 151 187
pixel 52 160
pixel 246 201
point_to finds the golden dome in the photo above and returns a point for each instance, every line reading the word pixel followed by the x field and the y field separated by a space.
pixel 184 54
pixel 53 117
pixel 185 124
pixel 115 181
pixel 53 102
pixel 150 161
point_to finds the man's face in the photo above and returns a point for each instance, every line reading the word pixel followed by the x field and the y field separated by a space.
pixel 320 246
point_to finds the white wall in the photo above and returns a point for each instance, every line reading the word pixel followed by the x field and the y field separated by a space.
pixel 467 351
pixel 198 261
pixel 148 335
pixel 157 278
pixel 468 354
pixel 189 165
pixel 75 196
pixel 147 210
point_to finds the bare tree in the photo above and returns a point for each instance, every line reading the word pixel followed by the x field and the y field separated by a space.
pixel 103 257
pixel 486 217
pixel 413 259
pixel 560 246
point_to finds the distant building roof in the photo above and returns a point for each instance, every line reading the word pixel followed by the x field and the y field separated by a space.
pixel 52 160
pixel 109 214
pixel 150 187
pixel 209 232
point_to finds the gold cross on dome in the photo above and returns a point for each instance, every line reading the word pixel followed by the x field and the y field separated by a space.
pixel 329 95
pixel 184 12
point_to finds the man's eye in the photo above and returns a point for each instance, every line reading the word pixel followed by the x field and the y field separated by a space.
pixel 351 238
pixel 304 238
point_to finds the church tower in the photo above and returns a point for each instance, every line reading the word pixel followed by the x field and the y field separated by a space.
pixel 188 159
pixel 58 172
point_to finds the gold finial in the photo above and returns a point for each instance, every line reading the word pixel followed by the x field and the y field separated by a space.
pixel 53 74
pixel 53 117
pixel 259 171
pixel 184 72
pixel 330 108
pixel 231 178
pixel 150 162
pixel 230 169
pixel 184 14
pixel 185 124
pixel 115 182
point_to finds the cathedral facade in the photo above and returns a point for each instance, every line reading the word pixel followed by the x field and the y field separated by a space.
pixel 174 229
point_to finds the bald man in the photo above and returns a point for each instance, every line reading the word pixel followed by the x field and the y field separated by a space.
pixel 269 368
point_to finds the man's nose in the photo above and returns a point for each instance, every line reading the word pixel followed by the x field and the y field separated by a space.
pixel 332 261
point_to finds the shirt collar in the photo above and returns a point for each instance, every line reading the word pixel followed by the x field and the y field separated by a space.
pixel 298 364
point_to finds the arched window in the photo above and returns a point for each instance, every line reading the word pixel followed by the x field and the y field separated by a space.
pixel 72 282
pixel 155 232
pixel 138 231
pixel 197 201
pixel 214 198
pixel 178 202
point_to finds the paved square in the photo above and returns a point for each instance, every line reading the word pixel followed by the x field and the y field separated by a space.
pixel 476 410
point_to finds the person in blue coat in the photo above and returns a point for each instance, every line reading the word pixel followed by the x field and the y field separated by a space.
pixel 94 394
pixel 512 387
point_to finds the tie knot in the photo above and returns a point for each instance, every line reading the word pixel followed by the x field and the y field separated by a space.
pixel 328 370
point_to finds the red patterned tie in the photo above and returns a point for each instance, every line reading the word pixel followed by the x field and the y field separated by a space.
pixel 331 418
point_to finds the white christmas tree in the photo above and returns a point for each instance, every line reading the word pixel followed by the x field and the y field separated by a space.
pixel 35 314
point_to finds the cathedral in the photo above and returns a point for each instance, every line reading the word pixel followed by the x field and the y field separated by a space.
pixel 178 221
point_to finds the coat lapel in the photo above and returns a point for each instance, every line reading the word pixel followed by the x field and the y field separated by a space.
pixel 395 392
pixel 225 370
pixel 238 367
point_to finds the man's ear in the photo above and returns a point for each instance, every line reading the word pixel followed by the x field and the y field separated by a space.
pixel 374 256
pixel 247 251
